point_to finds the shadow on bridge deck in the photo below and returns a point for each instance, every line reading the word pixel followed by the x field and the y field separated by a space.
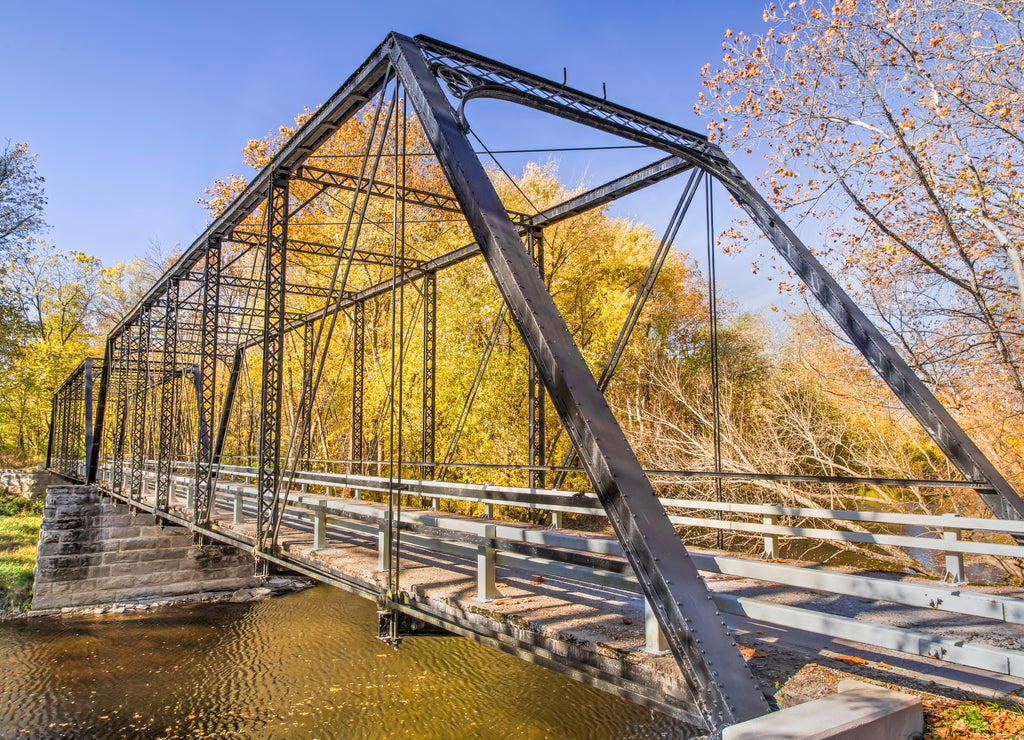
pixel 593 633
pixel 588 620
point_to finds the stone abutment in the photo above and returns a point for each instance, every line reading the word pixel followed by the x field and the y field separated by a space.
pixel 94 551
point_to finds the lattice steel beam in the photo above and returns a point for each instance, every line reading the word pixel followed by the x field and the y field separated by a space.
pixel 358 353
pixel 140 362
pixel 375 188
pixel 120 379
pixel 318 249
pixel 535 390
pixel 429 374
pixel 168 397
pixel 207 385
pixel 274 277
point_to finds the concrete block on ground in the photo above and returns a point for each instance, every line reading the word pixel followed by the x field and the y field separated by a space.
pixel 862 712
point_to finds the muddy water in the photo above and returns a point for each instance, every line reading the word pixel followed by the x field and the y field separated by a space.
pixel 305 665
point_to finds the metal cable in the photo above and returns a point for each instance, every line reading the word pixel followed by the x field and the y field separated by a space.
pixel 646 288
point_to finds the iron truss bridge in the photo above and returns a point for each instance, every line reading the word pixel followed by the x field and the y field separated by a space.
pixel 298 337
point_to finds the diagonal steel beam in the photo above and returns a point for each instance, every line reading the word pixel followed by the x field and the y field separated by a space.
pixel 718 680
pixel 470 75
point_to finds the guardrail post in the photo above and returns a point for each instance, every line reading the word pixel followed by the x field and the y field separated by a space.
pixel 655 641
pixel 556 519
pixel 771 541
pixel 954 560
pixel 238 516
pixel 383 547
pixel 488 511
pixel 190 496
pixel 320 526
pixel 485 583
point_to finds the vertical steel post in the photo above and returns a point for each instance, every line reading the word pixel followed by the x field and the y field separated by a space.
pixel 358 350
pixel 87 416
pixel 62 446
pixel 140 396
pixel 429 373
pixel 273 359
pixel 207 386
pixel 76 410
pixel 168 397
pixel 49 440
pixel 535 244
pixel 58 432
pixel 120 410
pixel 94 446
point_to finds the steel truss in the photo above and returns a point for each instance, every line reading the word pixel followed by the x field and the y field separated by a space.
pixel 254 276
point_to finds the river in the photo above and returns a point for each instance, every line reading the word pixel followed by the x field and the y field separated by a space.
pixel 303 665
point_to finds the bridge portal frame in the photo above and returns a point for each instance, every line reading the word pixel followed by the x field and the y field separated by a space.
pixel 720 686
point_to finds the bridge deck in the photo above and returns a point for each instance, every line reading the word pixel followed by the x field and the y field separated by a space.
pixel 593 633
pixel 586 619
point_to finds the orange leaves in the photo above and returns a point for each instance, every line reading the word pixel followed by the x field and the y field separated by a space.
pixel 897 127
pixel 851 660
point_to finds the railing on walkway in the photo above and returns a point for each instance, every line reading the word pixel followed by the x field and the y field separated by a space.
pixel 940 534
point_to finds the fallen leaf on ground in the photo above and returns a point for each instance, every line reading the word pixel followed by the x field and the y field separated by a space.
pixel 749 652
pixel 851 660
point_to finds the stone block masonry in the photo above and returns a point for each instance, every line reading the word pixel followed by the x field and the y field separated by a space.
pixel 30 484
pixel 94 551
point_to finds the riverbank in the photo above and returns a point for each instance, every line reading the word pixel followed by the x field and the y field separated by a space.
pixel 20 519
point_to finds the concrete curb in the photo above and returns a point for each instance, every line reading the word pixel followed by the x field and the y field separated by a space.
pixel 858 712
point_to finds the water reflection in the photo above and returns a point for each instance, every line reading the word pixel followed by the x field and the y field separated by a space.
pixel 302 665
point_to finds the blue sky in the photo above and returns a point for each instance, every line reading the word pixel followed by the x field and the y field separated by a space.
pixel 133 108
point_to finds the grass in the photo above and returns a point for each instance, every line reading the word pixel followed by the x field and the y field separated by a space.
pixel 20 520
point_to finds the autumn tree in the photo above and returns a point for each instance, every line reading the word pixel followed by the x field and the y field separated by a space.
pixel 54 296
pixel 897 127
pixel 594 264
pixel 21 197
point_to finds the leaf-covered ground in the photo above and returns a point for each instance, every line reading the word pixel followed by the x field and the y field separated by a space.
pixel 945 719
